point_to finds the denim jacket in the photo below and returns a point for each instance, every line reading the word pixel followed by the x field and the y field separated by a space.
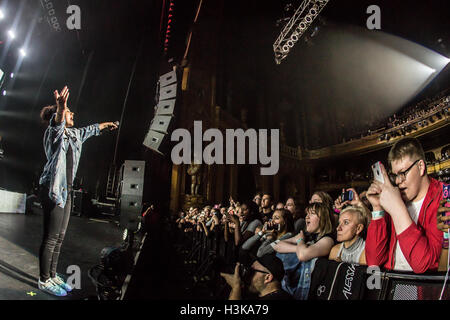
pixel 56 143
pixel 297 278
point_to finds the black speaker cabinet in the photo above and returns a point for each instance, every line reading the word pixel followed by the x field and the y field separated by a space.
pixel 131 194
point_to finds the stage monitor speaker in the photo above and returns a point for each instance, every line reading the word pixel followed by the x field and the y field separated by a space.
pixel 164 113
pixel 12 202
pixel 131 194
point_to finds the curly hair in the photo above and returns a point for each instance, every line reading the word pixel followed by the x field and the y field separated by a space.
pixel 47 113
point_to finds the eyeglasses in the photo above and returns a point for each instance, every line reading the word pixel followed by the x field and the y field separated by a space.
pixel 402 175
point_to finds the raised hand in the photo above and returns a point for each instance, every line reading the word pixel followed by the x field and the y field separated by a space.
pixel 356 199
pixel 390 197
pixel 338 204
pixel 373 195
pixel 61 98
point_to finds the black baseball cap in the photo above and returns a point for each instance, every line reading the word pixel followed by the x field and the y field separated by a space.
pixel 270 261
pixel 273 264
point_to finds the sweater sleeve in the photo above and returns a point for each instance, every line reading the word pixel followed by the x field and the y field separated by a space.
pixel 422 246
pixel 377 241
pixel 266 248
pixel 247 245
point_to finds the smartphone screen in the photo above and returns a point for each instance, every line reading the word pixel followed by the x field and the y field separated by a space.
pixel 376 169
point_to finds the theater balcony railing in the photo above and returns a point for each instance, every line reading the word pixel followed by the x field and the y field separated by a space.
pixel 365 144
pixel 439 166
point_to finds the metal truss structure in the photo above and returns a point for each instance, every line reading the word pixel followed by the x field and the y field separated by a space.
pixel 296 27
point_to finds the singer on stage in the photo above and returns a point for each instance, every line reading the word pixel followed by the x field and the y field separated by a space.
pixel 62 144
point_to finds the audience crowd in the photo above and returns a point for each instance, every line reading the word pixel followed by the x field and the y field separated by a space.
pixel 267 249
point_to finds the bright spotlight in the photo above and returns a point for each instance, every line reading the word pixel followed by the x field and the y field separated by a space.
pixel 23 53
pixel 11 34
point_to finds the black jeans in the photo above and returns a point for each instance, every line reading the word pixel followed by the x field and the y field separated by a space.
pixel 56 220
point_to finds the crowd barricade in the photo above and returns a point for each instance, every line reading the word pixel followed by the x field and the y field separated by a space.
pixel 333 280
pixel 208 255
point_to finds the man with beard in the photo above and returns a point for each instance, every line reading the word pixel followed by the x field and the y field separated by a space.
pixel 263 279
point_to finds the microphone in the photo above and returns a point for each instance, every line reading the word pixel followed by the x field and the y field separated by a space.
pixel 117 123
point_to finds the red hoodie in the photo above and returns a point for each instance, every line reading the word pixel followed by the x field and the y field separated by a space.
pixel 421 243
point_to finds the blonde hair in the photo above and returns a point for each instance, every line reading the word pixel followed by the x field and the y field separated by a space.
pixel 406 147
pixel 361 215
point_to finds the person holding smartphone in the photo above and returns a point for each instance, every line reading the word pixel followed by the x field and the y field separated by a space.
pixel 403 233
pixel 280 227
pixel 63 145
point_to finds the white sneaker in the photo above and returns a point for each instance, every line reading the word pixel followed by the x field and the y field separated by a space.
pixel 60 282
pixel 50 287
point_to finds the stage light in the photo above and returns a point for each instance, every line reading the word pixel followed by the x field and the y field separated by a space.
pixel 23 53
pixel 11 34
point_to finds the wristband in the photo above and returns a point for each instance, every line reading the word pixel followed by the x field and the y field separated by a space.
pixel 273 244
pixel 377 214
pixel 298 240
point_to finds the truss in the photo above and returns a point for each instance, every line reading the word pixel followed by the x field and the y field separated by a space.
pixel 301 20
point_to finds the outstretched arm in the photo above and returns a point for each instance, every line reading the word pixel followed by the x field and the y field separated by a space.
pixel 94 130
pixel 107 125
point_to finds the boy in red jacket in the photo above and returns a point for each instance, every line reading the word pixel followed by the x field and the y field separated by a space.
pixel 403 233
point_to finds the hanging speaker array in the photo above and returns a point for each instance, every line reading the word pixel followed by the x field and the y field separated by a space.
pixel 159 126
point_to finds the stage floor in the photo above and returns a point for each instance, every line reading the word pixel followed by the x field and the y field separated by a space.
pixel 20 238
